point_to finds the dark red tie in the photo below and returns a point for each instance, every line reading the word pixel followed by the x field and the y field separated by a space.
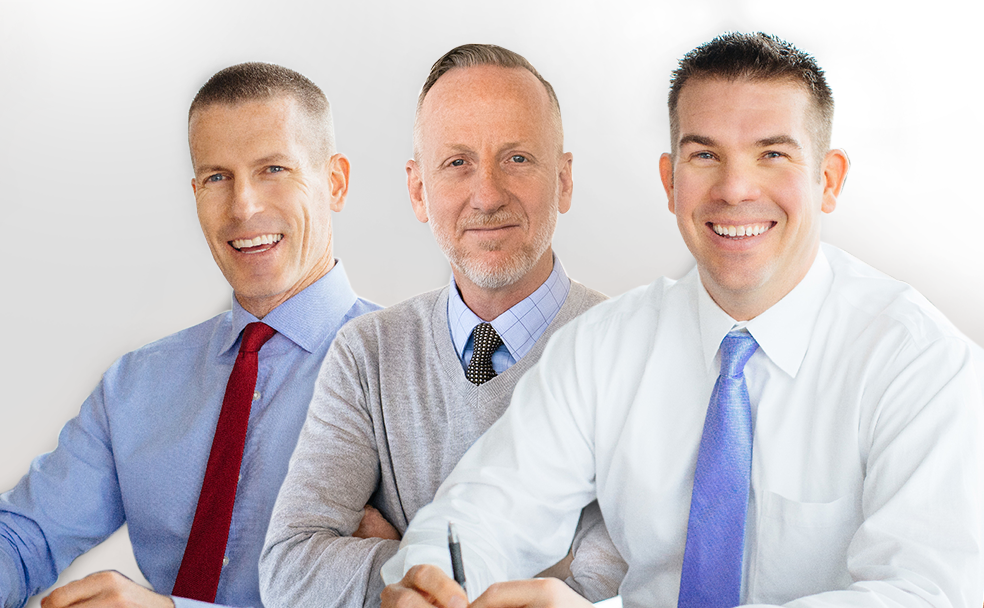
pixel 201 566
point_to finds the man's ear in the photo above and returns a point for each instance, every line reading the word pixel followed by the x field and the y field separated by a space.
pixel 194 186
pixel 835 167
pixel 666 174
pixel 415 187
pixel 566 178
pixel 338 179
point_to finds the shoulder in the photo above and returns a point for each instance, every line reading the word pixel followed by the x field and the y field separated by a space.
pixel 871 302
pixel 404 322
pixel 612 324
pixel 641 303
pixel 196 337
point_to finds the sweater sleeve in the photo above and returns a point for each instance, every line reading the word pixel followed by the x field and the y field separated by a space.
pixel 310 557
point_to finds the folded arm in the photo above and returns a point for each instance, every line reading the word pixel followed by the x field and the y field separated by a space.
pixel 312 555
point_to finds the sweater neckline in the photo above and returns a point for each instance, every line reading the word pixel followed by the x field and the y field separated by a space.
pixel 504 382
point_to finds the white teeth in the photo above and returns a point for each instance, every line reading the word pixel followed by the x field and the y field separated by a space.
pixel 750 230
pixel 263 239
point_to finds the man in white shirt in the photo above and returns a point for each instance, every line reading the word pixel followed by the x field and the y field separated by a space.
pixel 859 398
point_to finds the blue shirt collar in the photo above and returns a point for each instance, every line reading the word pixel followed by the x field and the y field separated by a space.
pixel 520 326
pixel 306 318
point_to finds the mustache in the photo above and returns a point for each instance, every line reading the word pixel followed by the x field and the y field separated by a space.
pixel 491 220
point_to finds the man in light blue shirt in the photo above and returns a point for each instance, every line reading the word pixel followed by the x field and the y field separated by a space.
pixel 266 178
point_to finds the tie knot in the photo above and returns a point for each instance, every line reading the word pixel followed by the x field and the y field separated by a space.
pixel 255 336
pixel 485 341
pixel 736 349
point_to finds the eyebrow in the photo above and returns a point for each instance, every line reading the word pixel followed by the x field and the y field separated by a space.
pixel 700 140
pixel 777 140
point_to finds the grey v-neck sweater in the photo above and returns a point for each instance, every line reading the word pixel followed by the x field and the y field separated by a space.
pixel 392 413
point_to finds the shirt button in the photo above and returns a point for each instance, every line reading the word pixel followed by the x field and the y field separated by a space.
pixel 225 560
pixel 256 395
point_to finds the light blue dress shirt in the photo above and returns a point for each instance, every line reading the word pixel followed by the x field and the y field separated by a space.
pixel 138 448
pixel 519 327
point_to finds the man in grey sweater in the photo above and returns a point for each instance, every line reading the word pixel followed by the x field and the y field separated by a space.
pixel 405 392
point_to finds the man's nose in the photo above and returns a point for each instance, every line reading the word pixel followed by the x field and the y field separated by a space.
pixel 735 184
pixel 489 193
pixel 246 200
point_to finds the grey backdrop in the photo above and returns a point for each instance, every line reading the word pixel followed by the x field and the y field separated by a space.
pixel 102 251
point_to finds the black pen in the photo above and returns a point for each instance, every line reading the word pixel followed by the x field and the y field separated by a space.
pixel 457 566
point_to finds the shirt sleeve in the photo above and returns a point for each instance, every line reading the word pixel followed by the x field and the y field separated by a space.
pixel 310 557
pixel 517 494
pixel 68 502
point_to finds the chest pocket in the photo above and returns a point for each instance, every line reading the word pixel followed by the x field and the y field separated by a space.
pixel 801 547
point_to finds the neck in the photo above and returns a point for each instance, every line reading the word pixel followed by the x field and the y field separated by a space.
pixel 746 304
pixel 260 306
pixel 490 303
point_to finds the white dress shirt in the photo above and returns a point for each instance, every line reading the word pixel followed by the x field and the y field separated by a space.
pixel 866 475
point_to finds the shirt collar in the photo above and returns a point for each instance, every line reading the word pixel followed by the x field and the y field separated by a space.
pixel 783 331
pixel 520 326
pixel 307 317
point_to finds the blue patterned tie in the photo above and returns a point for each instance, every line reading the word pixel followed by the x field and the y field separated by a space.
pixel 716 531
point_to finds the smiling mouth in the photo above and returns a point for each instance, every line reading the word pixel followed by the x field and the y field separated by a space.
pixel 256 244
pixel 741 231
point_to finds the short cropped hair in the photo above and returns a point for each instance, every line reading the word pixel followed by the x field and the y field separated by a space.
pixel 758 56
pixel 472 55
pixel 257 81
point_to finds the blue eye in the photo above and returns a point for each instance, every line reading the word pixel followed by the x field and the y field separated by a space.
pixel 214 178
pixel 457 162
pixel 518 158
pixel 773 154
pixel 275 169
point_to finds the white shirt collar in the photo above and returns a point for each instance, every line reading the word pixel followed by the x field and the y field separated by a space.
pixel 783 331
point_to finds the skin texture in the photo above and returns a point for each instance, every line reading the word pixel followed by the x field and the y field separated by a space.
pixel 490 176
pixel 107 589
pixel 745 156
pixel 374 525
pixel 258 172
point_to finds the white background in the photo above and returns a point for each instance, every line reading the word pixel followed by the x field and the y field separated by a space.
pixel 101 249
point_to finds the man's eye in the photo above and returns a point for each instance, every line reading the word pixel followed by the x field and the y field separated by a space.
pixel 774 154
pixel 518 158
pixel 704 155
pixel 457 162
pixel 214 178
pixel 275 169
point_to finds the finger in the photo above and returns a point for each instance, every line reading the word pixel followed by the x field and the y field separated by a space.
pixel 440 589
pixel 81 590
pixel 400 596
pixel 534 593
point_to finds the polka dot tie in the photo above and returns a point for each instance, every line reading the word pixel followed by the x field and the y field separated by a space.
pixel 486 341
